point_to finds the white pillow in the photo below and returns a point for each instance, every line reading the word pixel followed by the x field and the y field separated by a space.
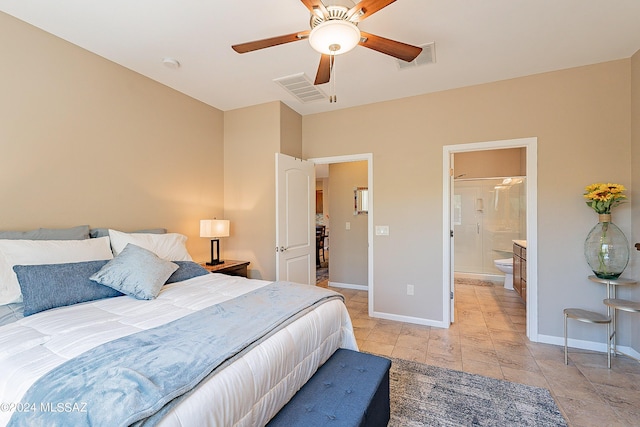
pixel 35 252
pixel 170 246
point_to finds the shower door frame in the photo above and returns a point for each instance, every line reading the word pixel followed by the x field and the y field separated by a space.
pixel 448 290
pixel 482 215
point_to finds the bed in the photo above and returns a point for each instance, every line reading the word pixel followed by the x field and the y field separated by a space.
pixel 244 385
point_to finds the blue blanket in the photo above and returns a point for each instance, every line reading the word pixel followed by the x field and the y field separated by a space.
pixel 132 378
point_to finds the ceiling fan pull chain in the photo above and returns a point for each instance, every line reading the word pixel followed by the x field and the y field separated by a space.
pixel 332 78
pixel 335 96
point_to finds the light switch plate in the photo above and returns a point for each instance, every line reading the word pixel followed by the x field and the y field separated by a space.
pixel 382 230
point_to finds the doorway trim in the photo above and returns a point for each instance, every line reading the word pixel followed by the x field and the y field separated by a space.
pixel 356 158
pixel 531 147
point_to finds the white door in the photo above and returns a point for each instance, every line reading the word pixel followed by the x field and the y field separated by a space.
pixel 295 222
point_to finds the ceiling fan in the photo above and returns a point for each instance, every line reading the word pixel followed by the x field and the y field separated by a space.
pixel 334 31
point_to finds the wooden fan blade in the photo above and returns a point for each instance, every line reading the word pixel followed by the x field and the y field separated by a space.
pixel 366 8
pixel 273 41
pixel 316 6
pixel 324 70
pixel 390 47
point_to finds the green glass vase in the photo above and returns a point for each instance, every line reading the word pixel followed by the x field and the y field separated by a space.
pixel 606 249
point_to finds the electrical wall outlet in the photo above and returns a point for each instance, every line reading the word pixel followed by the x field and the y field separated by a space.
pixel 382 230
pixel 409 289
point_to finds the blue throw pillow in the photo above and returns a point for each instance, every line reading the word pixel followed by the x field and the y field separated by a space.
pixel 187 270
pixel 137 272
pixel 49 286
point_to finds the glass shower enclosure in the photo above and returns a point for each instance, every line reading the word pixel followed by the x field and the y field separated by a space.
pixel 488 214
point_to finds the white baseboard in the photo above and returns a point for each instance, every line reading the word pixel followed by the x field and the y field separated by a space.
pixel 387 316
pixel 348 286
pixel 586 345
pixel 409 319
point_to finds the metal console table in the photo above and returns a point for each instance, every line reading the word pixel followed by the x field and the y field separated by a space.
pixel 588 317
pixel 612 302
pixel 624 305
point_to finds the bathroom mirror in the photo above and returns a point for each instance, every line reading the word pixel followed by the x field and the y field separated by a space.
pixel 361 200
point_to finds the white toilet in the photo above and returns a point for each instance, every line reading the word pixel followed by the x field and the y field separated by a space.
pixel 506 266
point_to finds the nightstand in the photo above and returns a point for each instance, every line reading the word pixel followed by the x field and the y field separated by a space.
pixel 230 267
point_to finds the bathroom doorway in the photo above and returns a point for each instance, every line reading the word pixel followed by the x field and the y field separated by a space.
pixel 489 212
pixel 495 183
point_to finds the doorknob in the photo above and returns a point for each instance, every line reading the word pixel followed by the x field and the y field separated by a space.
pixel 282 249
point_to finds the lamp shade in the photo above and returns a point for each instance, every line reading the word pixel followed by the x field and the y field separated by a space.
pixel 334 37
pixel 214 228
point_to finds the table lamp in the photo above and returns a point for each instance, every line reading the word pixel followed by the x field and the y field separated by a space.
pixel 214 228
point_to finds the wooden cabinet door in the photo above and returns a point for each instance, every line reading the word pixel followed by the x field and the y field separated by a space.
pixel 517 284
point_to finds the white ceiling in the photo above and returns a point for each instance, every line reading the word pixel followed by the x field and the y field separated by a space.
pixel 476 41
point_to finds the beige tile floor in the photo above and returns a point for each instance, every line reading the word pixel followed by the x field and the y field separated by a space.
pixel 488 338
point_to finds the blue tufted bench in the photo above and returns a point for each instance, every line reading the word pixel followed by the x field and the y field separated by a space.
pixel 350 389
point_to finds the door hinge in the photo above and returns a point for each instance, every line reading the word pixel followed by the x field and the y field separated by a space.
pixel 451 295
pixel 451 233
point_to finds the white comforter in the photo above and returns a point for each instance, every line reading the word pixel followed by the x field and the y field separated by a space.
pixel 246 393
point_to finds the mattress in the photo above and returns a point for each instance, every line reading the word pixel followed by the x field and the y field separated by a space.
pixel 247 392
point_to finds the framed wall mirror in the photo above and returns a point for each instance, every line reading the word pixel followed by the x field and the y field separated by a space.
pixel 361 200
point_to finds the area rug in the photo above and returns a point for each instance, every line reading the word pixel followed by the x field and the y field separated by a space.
pixel 424 395
pixel 473 282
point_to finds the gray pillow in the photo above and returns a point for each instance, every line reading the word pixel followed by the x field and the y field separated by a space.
pixel 102 232
pixel 187 270
pixel 137 272
pixel 49 286
pixel 80 232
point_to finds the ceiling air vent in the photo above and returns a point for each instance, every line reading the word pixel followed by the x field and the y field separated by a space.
pixel 301 87
pixel 427 56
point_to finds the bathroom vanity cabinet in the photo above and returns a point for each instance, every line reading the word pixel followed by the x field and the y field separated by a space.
pixel 520 270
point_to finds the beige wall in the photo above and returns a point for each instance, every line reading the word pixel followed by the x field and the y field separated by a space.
pixel 290 132
pixel 581 118
pixel 86 141
pixel 348 248
pixel 490 163
pixel 252 136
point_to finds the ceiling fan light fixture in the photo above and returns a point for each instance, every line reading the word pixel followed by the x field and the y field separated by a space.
pixel 334 37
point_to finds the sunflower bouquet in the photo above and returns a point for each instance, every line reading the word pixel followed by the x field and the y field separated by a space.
pixel 604 197
pixel 606 247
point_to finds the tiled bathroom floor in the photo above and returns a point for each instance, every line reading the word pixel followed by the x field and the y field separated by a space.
pixel 488 338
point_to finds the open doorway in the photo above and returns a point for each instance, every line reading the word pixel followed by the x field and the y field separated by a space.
pixel 343 224
pixel 323 223
pixel 489 213
pixel 348 230
pixel 528 147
